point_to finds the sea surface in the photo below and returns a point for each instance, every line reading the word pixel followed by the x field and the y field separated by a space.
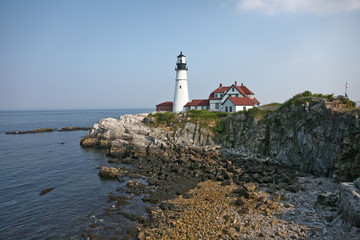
pixel 30 163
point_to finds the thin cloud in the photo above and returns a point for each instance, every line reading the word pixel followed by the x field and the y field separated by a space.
pixel 319 7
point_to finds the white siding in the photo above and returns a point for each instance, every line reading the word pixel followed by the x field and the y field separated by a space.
pixel 231 93
pixel 213 104
pixel 241 108
pixel 226 106
pixel 229 104
pixel 196 107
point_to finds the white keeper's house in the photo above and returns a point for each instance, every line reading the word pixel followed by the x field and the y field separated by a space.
pixel 232 98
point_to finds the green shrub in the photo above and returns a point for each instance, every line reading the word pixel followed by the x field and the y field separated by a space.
pixel 164 118
pixel 271 104
pixel 307 95
pixel 219 128
pixel 257 112
pixel 204 115
pixel 346 101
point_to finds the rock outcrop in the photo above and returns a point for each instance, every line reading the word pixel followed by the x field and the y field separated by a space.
pixel 128 136
pixel 313 137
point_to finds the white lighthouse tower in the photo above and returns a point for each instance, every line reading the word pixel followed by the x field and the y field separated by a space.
pixel 181 96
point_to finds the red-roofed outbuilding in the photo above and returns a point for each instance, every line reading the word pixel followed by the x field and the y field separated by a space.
pixel 164 107
pixel 197 104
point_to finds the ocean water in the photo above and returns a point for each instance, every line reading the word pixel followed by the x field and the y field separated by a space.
pixel 33 162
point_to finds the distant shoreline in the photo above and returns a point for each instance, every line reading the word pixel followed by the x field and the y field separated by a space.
pixel 42 130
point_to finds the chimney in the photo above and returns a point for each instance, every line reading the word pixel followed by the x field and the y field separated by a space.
pixel 221 85
pixel 242 84
pixel 235 83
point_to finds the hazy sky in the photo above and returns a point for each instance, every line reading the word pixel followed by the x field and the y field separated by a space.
pixel 76 54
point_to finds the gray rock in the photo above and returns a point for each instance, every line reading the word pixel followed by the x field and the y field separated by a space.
pixel 349 203
pixel 357 183
pixel 128 136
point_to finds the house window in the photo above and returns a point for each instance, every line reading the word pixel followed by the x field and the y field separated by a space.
pixel 230 109
pixel 232 89
pixel 236 95
pixel 226 109
pixel 195 107
pixel 216 106
pixel 244 108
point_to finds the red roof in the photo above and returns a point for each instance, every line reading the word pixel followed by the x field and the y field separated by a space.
pixel 255 100
pixel 198 102
pixel 165 104
pixel 242 89
pixel 241 101
pixel 218 90
pixel 245 90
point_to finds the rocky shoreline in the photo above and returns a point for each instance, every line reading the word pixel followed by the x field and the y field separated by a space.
pixel 225 197
pixel 192 188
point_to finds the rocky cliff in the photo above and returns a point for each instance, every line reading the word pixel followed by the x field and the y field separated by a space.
pixel 314 136
pixel 128 136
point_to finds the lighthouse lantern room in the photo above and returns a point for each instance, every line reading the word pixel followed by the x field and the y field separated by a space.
pixel 181 96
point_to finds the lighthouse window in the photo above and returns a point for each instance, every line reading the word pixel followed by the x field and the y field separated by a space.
pixel 180 87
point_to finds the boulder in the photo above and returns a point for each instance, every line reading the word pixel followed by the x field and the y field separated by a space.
pixel 250 186
pixel 327 199
pixel 89 142
pixel 108 172
pixel 349 202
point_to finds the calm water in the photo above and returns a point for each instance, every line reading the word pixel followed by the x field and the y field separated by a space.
pixel 33 162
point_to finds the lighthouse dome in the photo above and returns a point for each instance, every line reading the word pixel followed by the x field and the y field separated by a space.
pixel 181 55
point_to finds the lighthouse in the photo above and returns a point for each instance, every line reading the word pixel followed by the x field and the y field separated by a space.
pixel 181 96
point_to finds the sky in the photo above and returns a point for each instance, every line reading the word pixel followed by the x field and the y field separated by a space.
pixel 86 54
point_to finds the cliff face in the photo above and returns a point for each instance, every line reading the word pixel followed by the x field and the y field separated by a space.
pixel 313 137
